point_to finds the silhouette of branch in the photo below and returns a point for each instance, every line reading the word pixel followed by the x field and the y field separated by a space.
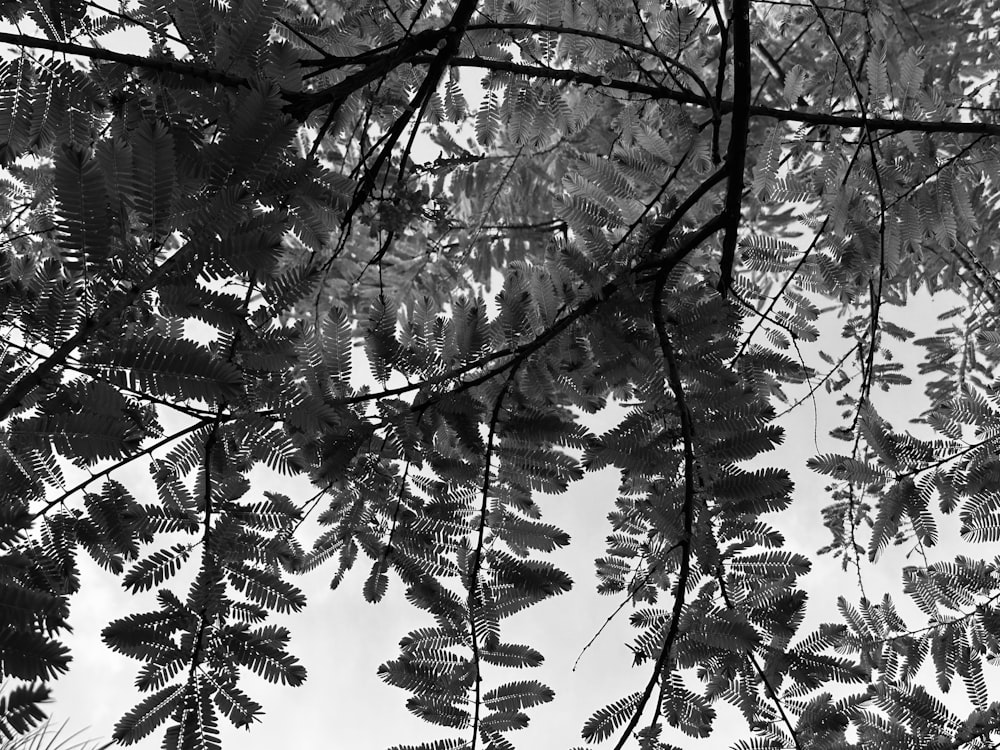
pixel 477 555
pixel 135 61
pixel 736 155
pixel 893 125
pixel 687 514
pixel 117 465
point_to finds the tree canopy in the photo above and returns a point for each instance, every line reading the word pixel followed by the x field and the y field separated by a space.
pixel 514 213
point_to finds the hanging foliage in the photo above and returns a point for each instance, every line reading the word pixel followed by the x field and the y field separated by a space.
pixel 516 213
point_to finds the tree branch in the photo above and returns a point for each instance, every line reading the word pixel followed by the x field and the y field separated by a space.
pixel 659 240
pixel 687 511
pixel 117 465
pixel 900 125
pixel 301 104
pixel 736 156
pixel 198 647
pixel 775 698
pixel 135 61
pixel 522 351
pixel 720 79
pixel 477 559
pixel 116 303
pixel 587 33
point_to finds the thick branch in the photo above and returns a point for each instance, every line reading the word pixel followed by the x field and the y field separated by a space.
pixel 720 79
pixel 302 104
pixel 449 45
pixel 873 124
pixel 557 74
pixel 135 61
pixel 659 240
pixel 589 34
pixel 900 125
pixel 737 155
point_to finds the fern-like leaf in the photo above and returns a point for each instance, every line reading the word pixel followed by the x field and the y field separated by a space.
pixel 511 655
pixel 891 509
pixel 175 368
pixel 488 119
pixel 516 695
pixel 603 723
pixel 533 577
pixel 235 704
pixel 20 709
pixel 82 207
pixel 197 726
pixel 156 568
pixel 263 651
pixel 21 606
pixel 83 436
pixel 377 582
pixel 452 744
pixel 148 714
pixel 767 162
pixel 337 343
pixel 153 175
pixel 29 655
pixel 240 39
pixel 15 108
pixel 265 588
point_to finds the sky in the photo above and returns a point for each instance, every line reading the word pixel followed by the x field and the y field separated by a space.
pixel 341 639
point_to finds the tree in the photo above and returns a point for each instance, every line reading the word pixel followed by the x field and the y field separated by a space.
pixel 676 196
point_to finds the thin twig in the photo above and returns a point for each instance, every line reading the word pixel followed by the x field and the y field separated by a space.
pixel 477 555
pixel 775 699
pixel 114 467
pixel 624 602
